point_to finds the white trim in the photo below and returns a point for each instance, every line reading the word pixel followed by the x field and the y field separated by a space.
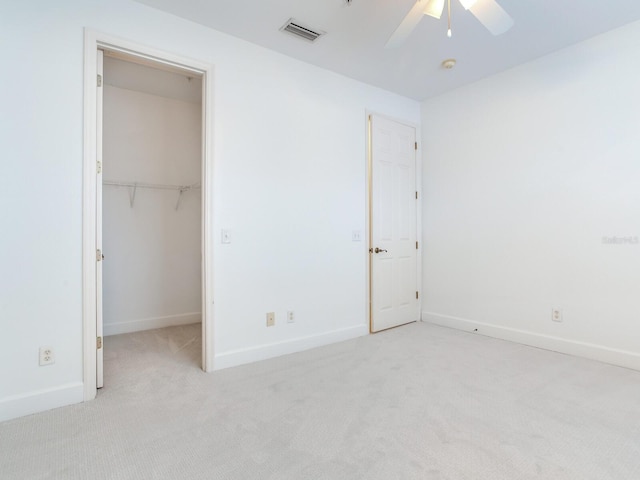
pixel 601 353
pixel 208 324
pixel 89 195
pixel 419 236
pixel 41 400
pixel 142 324
pixel 272 350
pixel 92 41
pixel 367 215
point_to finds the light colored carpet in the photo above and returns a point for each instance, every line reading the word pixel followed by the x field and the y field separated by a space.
pixel 416 402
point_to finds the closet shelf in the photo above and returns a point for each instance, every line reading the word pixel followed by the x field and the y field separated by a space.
pixel 133 186
pixel 151 185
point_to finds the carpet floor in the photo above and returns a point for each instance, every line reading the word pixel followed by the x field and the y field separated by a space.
pixel 415 402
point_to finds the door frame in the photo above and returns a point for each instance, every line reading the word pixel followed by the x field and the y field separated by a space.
pixel 369 204
pixel 94 40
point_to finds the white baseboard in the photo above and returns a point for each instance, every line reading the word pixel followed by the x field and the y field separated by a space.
pixel 263 352
pixel 41 400
pixel 151 323
pixel 612 356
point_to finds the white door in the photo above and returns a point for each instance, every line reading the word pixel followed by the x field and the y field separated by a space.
pixel 99 256
pixel 393 243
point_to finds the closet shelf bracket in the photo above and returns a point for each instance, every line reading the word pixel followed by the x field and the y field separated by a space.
pixel 132 194
pixel 179 198
pixel 133 188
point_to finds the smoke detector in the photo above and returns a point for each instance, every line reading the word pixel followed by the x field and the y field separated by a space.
pixel 449 63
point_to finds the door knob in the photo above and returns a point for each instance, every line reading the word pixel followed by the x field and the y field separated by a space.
pixel 379 250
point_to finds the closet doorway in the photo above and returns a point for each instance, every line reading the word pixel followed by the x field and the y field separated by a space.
pixel 151 204
pixel 148 176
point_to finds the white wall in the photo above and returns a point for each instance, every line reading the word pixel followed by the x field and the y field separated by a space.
pixel 524 174
pixel 152 274
pixel 160 80
pixel 289 153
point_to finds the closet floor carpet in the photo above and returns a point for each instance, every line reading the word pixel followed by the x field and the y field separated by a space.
pixel 415 402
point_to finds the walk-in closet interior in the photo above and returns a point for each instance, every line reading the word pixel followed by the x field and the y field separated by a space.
pixel 151 206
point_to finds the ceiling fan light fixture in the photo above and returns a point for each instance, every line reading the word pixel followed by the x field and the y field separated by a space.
pixel 467 4
pixel 488 12
pixel 434 8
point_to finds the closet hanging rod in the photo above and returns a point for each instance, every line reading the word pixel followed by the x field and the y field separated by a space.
pixel 182 188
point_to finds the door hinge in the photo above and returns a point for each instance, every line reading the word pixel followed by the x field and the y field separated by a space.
pixel 98 343
pixel 416 245
pixel 416 144
pixel 99 167
pixel 416 295
pixel 416 195
pixel 99 255
pixel 99 80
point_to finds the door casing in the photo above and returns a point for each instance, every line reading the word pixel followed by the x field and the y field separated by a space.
pixel 93 41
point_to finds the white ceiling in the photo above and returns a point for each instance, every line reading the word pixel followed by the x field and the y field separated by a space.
pixel 356 35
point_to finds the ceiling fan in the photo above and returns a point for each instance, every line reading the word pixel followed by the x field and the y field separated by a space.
pixel 488 12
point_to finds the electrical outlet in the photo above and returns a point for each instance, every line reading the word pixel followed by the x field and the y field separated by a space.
pixel 556 314
pixel 271 319
pixel 46 356
pixel 356 236
pixel 290 317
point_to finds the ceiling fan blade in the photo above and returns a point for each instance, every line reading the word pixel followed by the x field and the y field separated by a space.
pixel 492 16
pixel 408 24
pixel 434 8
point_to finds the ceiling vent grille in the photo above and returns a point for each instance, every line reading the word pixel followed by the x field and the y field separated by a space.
pixel 301 31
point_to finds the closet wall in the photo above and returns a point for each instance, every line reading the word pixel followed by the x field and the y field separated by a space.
pixel 152 135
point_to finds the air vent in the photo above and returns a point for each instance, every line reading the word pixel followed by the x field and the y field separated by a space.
pixel 296 28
